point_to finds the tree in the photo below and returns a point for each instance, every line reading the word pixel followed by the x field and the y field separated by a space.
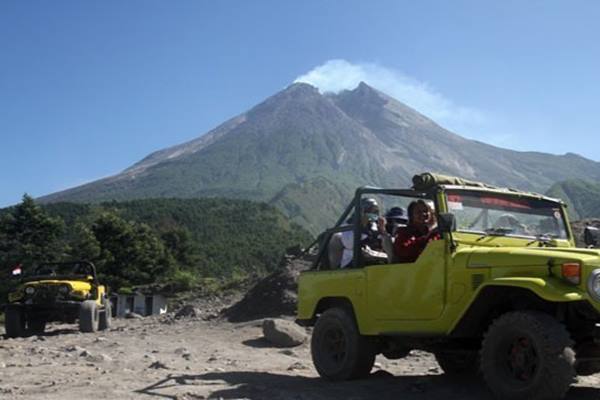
pixel 29 236
pixel 179 242
pixel 83 244
pixel 130 253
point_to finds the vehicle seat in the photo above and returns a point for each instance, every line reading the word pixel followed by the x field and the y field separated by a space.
pixel 335 249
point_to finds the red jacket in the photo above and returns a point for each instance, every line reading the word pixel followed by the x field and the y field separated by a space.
pixel 410 242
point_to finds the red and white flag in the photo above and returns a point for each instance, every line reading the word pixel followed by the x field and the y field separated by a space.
pixel 18 270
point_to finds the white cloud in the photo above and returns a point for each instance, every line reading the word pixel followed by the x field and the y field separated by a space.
pixel 336 75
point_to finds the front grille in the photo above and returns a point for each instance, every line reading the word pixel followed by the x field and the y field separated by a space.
pixel 46 294
pixel 476 280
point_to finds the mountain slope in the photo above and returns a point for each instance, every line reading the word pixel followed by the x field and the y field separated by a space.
pixel 582 197
pixel 299 148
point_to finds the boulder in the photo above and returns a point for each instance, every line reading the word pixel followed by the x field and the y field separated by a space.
pixel 188 311
pixel 283 333
pixel 273 296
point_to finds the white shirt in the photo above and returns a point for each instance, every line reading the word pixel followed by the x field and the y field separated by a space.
pixel 347 240
pixel 348 243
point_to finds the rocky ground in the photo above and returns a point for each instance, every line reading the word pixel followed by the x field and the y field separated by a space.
pixel 195 358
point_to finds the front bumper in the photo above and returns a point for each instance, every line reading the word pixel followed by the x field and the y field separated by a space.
pixel 53 304
pixel 63 310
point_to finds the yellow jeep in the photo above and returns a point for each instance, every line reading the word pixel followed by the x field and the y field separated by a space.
pixel 503 292
pixel 63 292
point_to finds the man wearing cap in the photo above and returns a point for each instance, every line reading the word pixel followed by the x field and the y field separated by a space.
pixel 372 227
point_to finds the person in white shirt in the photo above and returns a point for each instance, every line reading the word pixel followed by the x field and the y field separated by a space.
pixel 372 229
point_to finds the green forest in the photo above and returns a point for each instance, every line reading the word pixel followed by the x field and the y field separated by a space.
pixel 178 243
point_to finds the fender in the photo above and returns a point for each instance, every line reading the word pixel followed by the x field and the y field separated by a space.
pixel 549 289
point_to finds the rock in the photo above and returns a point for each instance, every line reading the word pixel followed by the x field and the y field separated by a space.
pixel 75 349
pixel 158 365
pixel 211 316
pixel 98 358
pixel 188 311
pixel 296 366
pixel 181 350
pixel 273 296
pixel 132 315
pixel 288 352
pixel 283 333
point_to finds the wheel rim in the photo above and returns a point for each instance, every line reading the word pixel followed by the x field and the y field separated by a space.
pixel 334 345
pixel 521 360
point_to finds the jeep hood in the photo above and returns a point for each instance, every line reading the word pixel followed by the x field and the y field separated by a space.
pixel 529 256
pixel 75 285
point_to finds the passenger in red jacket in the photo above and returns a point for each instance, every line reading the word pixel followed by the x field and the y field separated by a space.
pixel 411 240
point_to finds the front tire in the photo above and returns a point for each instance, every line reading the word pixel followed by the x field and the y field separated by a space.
pixel 338 350
pixel 527 355
pixel 14 322
pixel 89 316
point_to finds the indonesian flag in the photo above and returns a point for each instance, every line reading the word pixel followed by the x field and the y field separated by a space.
pixel 18 270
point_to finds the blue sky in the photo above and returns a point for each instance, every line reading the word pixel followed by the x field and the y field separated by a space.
pixel 87 88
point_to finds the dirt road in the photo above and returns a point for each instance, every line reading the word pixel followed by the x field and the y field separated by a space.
pixel 194 359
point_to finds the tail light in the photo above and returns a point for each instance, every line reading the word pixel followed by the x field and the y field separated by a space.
pixel 571 272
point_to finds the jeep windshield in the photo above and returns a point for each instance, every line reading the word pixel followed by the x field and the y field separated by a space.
pixel 62 271
pixel 496 214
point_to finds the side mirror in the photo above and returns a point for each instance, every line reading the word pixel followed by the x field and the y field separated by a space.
pixel 591 236
pixel 446 222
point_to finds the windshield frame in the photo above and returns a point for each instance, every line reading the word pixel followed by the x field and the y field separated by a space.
pixel 58 271
pixel 514 196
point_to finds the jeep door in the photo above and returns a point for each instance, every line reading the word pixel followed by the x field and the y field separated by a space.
pixel 409 291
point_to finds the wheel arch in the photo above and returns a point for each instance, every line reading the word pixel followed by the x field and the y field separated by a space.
pixel 326 303
pixel 492 301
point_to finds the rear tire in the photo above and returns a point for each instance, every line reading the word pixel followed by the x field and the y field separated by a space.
pixel 338 350
pixel 527 355
pixel 105 317
pixel 89 316
pixel 14 322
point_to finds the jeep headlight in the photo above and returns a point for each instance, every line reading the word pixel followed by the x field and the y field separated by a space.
pixel 30 290
pixel 594 284
pixel 64 289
